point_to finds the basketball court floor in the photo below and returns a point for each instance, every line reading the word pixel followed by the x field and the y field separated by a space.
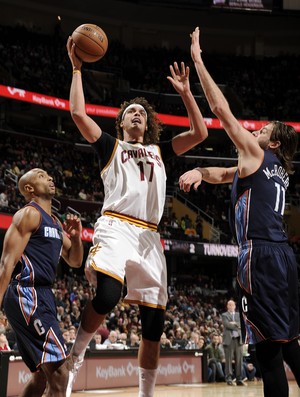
pixel 251 389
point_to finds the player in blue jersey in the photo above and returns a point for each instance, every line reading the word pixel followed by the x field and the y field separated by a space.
pixel 32 248
pixel 267 270
pixel 125 240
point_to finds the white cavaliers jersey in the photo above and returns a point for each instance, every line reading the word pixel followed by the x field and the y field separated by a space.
pixel 134 181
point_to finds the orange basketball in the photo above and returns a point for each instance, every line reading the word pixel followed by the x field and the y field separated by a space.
pixel 90 42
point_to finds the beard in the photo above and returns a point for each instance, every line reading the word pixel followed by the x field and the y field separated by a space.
pixel 264 145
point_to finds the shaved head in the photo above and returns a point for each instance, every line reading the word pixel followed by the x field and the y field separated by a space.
pixel 27 182
pixel 26 179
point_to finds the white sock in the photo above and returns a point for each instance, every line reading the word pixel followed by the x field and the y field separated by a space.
pixel 82 340
pixel 147 379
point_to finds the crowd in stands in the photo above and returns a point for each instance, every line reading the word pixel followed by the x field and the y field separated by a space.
pixel 260 87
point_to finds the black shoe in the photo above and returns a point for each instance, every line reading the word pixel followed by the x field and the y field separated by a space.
pixel 229 382
pixel 240 383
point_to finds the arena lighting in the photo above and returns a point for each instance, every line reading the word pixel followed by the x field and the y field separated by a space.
pixel 19 94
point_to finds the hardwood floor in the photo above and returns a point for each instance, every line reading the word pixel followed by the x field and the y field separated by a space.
pixel 251 389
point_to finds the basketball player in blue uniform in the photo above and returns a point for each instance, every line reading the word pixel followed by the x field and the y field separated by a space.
pixel 32 248
pixel 126 242
pixel 267 270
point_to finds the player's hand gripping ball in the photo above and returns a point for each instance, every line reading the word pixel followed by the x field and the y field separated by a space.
pixel 90 42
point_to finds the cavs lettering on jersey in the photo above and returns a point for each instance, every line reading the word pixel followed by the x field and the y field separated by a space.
pixel 134 179
pixel 259 201
pixel 38 263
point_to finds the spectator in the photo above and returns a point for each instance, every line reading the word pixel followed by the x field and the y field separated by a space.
pixel 103 331
pixel 60 313
pixel 193 342
pixel 122 338
pixel 112 338
pixel 215 357
pixel 165 343
pixel 66 336
pixel 3 200
pixel 134 340
pixel 248 371
pixel 4 345
pixel 75 315
pixel 3 320
pixel 180 339
pixel 96 343
pixel 72 332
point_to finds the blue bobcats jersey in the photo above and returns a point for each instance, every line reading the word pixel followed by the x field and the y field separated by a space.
pixel 38 263
pixel 258 202
pixel 29 301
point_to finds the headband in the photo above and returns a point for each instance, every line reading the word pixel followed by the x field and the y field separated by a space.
pixel 133 105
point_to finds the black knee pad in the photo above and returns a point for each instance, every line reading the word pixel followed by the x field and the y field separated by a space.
pixel 152 323
pixel 108 293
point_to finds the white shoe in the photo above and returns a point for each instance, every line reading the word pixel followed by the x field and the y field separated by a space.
pixel 73 364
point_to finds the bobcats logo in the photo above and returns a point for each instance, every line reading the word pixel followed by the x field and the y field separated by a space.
pixel 244 304
pixel 94 249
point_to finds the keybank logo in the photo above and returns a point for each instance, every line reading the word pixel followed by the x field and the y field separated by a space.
pixel 132 370
pixel 24 377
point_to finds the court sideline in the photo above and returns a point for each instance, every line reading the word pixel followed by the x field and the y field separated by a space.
pixel 251 389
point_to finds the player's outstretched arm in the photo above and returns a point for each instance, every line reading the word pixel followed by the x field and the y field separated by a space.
pixel 214 175
pixel 198 131
pixel 242 138
pixel 86 125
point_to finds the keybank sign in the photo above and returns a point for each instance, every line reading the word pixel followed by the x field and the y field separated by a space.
pixel 24 377
pixel 120 370
pixel 111 372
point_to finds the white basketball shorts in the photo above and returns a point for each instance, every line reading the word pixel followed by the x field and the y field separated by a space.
pixel 122 249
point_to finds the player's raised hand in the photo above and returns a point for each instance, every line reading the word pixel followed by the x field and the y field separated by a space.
pixel 195 45
pixel 190 178
pixel 180 77
pixel 75 61
pixel 72 225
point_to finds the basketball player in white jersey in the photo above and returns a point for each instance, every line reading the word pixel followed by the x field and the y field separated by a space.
pixel 126 242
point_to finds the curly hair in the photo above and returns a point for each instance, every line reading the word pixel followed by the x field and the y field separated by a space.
pixel 152 134
pixel 288 138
